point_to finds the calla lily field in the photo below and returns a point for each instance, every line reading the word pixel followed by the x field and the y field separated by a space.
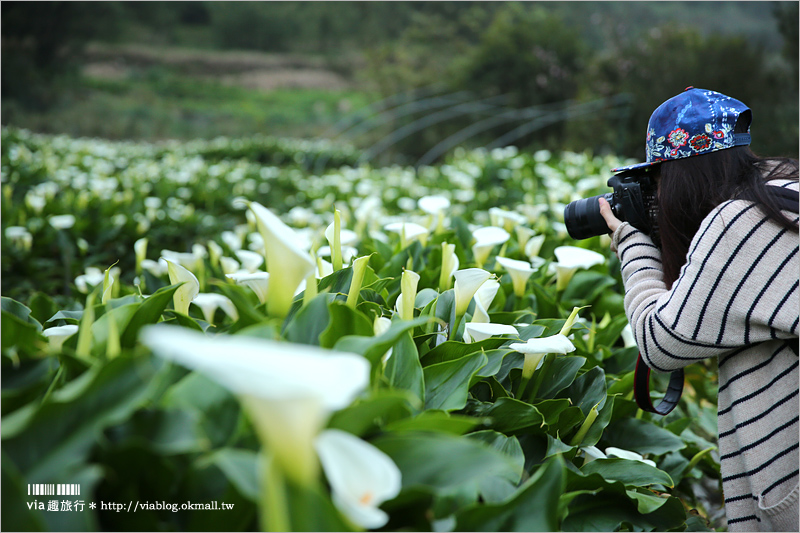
pixel 327 346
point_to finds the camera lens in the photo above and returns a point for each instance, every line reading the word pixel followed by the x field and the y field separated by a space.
pixel 583 219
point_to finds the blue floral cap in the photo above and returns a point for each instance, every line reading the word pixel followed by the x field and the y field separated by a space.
pixel 695 122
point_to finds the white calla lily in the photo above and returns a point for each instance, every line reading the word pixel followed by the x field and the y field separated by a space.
pixel 156 268
pixel 591 453
pixel 289 390
pixel 380 326
pixel 140 249
pixel 570 259
pixel 229 265
pixel 485 240
pixel 288 264
pixel 535 349
pixel 450 265
pixel 91 278
pixel 258 282
pixel 361 476
pixel 520 272
pixel 62 221
pixel 626 454
pixel 434 204
pixel 408 231
pixel 57 335
pixel 186 292
pixel 408 293
pixel 627 336
pixel 209 302
pixel 468 281
pixel 478 331
pixel 251 261
pixel 507 219
pixel 533 246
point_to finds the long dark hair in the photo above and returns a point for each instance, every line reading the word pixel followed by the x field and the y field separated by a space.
pixel 689 188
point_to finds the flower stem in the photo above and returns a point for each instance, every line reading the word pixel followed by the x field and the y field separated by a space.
pixel 548 360
pixel 455 327
pixel 274 506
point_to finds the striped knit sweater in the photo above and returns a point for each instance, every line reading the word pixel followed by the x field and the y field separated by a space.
pixel 736 299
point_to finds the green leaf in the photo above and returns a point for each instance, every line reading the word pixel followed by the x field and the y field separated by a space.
pixel 560 375
pixel 306 326
pixel 215 409
pixel 642 437
pixel 454 350
pixel 369 414
pixel 447 384
pixel 42 307
pixel 373 348
pixel 511 416
pixel 585 286
pixel 121 316
pixel 60 432
pixel 403 369
pixel 19 328
pixel 495 489
pixel 535 506
pixel 433 420
pixel 249 314
pixel 68 316
pixel 241 469
pixel 587 390
pixel 631 473
pixel 460 463
pixel 598 428
pixel 646 503
pixel 148 312
pixel 343 321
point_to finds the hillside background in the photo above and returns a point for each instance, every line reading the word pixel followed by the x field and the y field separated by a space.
pixel 556 75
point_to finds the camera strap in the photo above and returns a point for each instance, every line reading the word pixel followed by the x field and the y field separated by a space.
pixel 641 389
pixel 787 199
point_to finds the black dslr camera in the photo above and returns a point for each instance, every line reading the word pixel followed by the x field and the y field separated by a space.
pixel 633 200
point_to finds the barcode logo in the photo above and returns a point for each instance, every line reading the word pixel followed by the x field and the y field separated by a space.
pixel 53 489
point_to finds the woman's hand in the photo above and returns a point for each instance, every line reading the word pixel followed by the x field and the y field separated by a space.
pixel 605 210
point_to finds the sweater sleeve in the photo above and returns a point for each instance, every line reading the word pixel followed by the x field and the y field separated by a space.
pixel 737 288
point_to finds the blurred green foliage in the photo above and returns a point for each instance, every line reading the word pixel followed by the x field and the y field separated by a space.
pixel 528 53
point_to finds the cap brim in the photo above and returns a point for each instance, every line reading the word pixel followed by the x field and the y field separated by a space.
pixel 634 167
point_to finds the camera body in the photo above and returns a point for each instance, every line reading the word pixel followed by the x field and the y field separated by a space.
pixel 633 199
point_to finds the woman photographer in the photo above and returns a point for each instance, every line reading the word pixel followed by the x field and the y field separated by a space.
pixel 719 278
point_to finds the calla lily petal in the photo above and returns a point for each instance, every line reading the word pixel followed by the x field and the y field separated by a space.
pixel 485 240
pixel 483 299
pixel 287 263
pixel 626 454
pixel 408 231
pixel 257 281
pixel 627 336
pixel 519 271
pixel 57 335
pixel 251 261
pixel 186 292
pixel 482 331
pixel 209 302
pixel 361 476
pixel 570 259
pixel 574 257
pixel 468 281
pixel 542 345
pixel 533 246
pixel 433 204
pixel 408 293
